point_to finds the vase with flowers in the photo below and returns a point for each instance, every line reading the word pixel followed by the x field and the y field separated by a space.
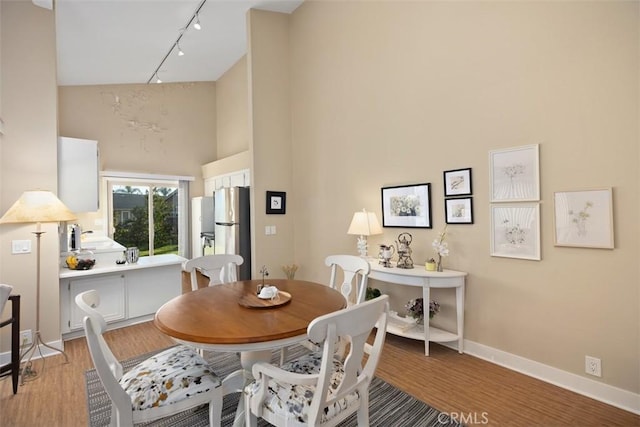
pixel 415 309
pixel 441 247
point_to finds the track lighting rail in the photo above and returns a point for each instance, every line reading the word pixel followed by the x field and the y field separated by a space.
pixel 175 45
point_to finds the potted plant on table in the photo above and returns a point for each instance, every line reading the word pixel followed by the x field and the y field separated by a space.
pixel 415 309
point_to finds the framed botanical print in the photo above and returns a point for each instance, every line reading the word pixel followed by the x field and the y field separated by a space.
pixel 515 230
pixel 584 218
pixel 407 206
pixel 515 174
pixel 459 211
pixel 457 182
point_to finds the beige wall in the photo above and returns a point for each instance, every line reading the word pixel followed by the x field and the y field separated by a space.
pixel 392 93
pixel 270 130
pixel 232 110
pixel 27 155
pixel 159 129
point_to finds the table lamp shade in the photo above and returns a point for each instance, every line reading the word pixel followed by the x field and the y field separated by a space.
pixel 364 224
pixel 37 206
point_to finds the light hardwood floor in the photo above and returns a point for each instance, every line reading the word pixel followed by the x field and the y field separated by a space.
pixel 466 387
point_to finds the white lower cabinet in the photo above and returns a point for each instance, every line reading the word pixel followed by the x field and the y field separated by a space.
pixel 111 288
pixel 129 296
pixel 148 289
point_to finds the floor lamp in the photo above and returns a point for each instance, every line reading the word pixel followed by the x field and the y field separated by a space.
pixel 37 207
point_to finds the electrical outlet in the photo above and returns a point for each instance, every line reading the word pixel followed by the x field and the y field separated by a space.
pixel 593 366
pixel 26 338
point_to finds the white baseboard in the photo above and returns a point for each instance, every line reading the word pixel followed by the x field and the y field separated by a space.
pixel 608 394
pixel 46 352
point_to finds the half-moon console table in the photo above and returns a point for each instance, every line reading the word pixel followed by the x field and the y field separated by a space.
pixel 427 280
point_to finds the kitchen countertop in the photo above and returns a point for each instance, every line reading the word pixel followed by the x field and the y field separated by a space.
pixel 143 262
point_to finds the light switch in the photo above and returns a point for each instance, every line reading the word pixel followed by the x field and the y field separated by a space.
pixel 21 246
pixel 267 230
pixel 273 229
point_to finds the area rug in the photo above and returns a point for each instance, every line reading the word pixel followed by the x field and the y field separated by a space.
pixel 389 406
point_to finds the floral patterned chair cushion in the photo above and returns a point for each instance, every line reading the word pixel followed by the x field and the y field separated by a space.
pixel 168 377
pixel 293 401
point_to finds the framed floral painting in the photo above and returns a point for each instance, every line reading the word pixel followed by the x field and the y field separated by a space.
pixel 515 230
pixel 584 218
pixel 407 206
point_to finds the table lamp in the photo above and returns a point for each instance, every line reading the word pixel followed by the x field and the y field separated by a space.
pixel 364 224
pixel 38 207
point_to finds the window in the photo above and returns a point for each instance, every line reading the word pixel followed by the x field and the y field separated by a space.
pixel 149 214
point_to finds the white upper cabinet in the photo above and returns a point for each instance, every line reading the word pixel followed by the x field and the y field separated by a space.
pixel 78 170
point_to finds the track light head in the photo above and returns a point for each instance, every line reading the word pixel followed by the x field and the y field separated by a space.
pixel 197 25
pixel 180 52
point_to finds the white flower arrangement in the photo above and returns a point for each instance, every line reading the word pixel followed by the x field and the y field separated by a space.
pixel 441 247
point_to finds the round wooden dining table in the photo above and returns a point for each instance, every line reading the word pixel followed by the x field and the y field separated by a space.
pixel 229 317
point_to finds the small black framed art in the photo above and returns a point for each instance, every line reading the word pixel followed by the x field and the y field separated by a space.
pixel 459 211
pixel 457 182
pixel 276 202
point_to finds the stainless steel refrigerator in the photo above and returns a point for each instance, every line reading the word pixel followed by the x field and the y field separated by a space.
pixel 232 229
pixel 201 226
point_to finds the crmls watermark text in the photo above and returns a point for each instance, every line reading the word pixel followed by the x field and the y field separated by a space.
pixel 466 418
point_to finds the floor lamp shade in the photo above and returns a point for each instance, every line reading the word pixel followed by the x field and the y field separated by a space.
pixel 37 206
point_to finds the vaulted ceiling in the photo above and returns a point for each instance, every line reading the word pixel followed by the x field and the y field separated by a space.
pixel 125 41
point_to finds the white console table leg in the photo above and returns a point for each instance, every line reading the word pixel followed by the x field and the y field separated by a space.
pixel 426 298
pixel 460 316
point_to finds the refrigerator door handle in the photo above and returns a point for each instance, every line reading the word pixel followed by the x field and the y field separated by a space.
pixel 225 223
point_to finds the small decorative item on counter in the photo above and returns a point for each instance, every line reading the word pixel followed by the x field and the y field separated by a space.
pixel 415 309
pixel 80 260
pixel 441 247
pixel 132 255
pixel 290 271
pixel 430 265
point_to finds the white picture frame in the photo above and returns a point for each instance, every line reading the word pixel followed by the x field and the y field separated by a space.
pixel 584 218
pixel 515 230
pixel 515 175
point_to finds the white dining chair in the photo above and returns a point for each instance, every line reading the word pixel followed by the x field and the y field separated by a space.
pixel 219 268
pixel 318 389
pixel 172 381
pixel 355 270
